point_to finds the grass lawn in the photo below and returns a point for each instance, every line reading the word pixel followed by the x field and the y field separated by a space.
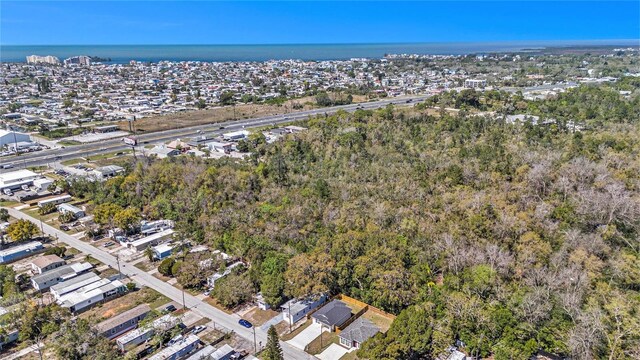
pixel 69 142
pixel 108 272
pixel 213 302
pixel 350 356
pixel 72 161
pixel 381 321
pixel 110 155
pixel 319 344
pixel 126 302
pixel 144 266
pixel 295 332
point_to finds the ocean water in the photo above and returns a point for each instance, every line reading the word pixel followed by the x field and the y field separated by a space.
pixel 154 53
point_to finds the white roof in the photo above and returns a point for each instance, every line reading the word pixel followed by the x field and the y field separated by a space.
pixel 89 291
pixel 170 351
pixel 164 321
pixel 236 133
pixel 163 248
pixel 151 238
pixel 223 351
pixel 16 175
pixel 68 286
pixel 33 245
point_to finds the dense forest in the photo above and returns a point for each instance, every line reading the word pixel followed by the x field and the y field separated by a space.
pixel 508 238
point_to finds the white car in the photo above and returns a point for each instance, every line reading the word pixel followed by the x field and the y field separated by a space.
pixel 198 329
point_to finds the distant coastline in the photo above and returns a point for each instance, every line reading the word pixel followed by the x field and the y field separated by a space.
pixel 155 53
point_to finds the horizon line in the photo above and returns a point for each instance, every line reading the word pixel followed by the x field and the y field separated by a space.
pixel 567 41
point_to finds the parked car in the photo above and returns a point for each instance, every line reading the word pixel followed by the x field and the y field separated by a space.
pixel 170 308
pixel 109 243
pixel 7 192
pixel 25 187
pixel 245 323
pixel 64 228
pixel 198 329
pixel 8 166
pixel 207 293
pixel 174 340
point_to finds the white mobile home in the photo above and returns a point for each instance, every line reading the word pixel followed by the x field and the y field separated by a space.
pixel 55 200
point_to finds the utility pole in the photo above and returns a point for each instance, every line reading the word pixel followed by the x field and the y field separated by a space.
pixel 118 261
pixel 255 345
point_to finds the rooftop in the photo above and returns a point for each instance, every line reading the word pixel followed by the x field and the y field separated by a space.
pixel 359 330
pixel 124 317
pixel 46 260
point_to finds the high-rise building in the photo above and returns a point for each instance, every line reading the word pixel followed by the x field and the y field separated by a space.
pixel 78 60
pixel 37 59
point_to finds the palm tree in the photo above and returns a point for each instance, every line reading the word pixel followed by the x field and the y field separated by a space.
pixel 148 252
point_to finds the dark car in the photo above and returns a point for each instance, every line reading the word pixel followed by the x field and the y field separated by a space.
pixel 170 308
pixel 64 227
pixel 245 323
pixel 221 127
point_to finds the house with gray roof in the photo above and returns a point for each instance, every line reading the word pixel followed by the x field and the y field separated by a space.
pixel 124 322
pixel 357 332
pixel 332 315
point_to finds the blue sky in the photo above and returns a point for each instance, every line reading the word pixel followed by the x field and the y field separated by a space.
pixel 269 22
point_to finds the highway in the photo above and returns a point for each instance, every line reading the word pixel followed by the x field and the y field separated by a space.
pixel 46 157
pixel 143 278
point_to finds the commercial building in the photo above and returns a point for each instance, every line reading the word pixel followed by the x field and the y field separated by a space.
pixel 108 171
pixel 15 179
pixel 235 135
pixel 10 138
pixel 91 294
pixel 475 83
pixel 124 322
pixel 73 284
pixel 142 334
pixel 46 280
pixel 178 350
pixel 18 252
pixel 45 263
pixel 42 184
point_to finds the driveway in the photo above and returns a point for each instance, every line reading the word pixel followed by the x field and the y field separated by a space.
pixel 333 352
pixel 306 336
pixel 143 278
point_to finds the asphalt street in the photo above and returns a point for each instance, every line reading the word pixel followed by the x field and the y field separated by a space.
pixel 143 278
pixel 47 157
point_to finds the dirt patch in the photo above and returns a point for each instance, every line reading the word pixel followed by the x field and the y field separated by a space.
pixel 296 331
pixel 211 301
pixel 258 317
pixel 124 303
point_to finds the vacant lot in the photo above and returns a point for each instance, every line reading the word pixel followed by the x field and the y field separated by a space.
pixel 126 302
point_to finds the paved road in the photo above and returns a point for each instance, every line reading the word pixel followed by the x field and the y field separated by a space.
pixel 87 150
pixel 143 278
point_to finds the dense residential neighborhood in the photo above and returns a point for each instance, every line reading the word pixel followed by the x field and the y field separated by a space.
pixel 359 231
